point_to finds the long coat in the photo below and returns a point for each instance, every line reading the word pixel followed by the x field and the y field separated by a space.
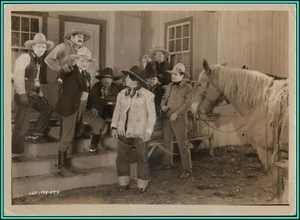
pixel 72 89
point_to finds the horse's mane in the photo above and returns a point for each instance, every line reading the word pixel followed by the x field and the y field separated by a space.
pixel 269 74
pixel 245 85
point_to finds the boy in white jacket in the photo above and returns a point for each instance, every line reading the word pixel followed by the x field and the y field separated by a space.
pixel 133 123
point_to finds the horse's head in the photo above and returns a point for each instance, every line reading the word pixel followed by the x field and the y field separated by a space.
pixel 206 96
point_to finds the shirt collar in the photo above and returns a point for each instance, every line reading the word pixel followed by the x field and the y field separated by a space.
pixel 73 45
pixel 180 84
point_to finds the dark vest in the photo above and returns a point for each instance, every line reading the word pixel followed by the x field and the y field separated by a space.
pixel 31 72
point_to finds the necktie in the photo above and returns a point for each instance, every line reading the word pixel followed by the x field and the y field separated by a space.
pixel 84 82
pixel 103 92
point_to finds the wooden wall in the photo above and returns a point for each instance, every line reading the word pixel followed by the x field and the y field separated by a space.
pixel 258 40
pixel 128 32
pixel 123 40
pixel 205 34
pixel 53 35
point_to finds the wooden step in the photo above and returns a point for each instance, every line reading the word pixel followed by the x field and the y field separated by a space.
pixel 33 150
pixel 47 165
pixel 53 182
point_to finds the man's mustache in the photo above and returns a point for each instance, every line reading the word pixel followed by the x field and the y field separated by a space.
pixel 80 41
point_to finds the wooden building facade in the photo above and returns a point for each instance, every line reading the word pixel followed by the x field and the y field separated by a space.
pixel 257 39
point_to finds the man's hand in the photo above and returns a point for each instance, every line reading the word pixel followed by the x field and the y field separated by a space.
pixel 164 108
pixel 114 133
pixel 147 137
pixel 37 83
pixel 24 99
pixel 95 112
pixel 41 94
pixel 173 117
pixel 67 68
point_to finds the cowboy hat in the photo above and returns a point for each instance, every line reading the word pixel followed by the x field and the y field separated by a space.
pixel 180 68
pixel 138 74
pixel 87 36
pixel 107 73
pixel 39 38
pixel 84 53
pixel 150 71
pixel 161 49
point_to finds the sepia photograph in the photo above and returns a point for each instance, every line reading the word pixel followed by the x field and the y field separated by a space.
pixel 150 110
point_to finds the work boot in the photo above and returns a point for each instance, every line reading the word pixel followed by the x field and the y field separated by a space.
pixel 102 136
pixel 94 143
pixel 124 188
pixel 185 174
pixel 61 166
pixel 141 191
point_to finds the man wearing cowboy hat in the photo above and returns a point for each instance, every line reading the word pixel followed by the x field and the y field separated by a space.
pixel 28 92
pixel 159 56
pixel 59 58
pixel 133 123
pixel 175 104
pixel 72 102
pixel 155 87
pixel 158 91
pixel 103 98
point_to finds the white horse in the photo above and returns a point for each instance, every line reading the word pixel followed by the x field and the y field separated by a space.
pixel 263 102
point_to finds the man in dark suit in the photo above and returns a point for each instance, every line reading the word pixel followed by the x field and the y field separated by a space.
pixel 103 97
pixel 72 102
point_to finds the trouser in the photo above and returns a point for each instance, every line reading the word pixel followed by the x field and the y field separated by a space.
pixel 177 128
pixel 123 161
pixel 96 123
pixel 22 120
pixel 68 127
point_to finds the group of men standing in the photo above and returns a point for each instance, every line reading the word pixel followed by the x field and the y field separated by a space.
pixel 154 96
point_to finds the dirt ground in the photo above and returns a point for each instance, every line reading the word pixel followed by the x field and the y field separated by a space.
pixel 234 176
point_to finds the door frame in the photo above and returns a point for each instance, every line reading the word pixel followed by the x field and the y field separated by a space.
pixel 102 32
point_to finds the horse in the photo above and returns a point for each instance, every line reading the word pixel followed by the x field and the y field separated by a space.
pixel 263 102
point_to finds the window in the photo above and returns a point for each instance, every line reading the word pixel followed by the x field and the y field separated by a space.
pixel 179 44
pixel 23 28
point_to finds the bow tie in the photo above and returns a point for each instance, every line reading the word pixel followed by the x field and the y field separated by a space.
pixel 131 91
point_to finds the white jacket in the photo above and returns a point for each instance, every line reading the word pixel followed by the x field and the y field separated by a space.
pixel 141 113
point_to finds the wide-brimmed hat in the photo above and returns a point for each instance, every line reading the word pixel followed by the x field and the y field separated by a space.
pixel 156 49
pixel 150 71
pixel 180 68
pixel 107 73
pixel 138 74
pixel 87 36
pixel 84 53
pixel 39 38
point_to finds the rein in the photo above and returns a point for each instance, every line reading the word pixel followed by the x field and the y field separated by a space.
pixel 227 132
pixel 127 145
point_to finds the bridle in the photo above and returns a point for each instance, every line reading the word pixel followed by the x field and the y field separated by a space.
pixel 216 101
